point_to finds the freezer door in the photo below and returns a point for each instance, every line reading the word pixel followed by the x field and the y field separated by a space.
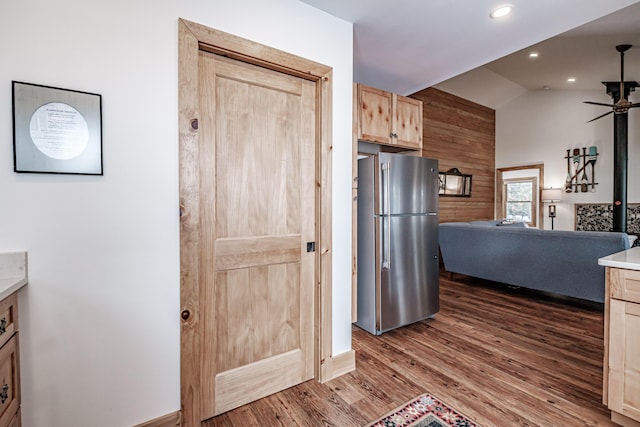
pixel 409 289
pixel 408 184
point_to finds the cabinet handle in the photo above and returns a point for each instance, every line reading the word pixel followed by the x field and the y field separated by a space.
pixel 4 395
pixel 3 325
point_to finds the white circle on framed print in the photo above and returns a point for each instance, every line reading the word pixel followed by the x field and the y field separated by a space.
pixel 59 131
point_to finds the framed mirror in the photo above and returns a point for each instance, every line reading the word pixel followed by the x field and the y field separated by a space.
pixel 454 183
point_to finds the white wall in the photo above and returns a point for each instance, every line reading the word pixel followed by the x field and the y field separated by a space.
pixel 99 330
pixel 539 127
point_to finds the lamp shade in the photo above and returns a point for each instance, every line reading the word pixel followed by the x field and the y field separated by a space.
pixel 551 195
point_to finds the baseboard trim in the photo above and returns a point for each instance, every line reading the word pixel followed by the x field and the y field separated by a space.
pixel 170 420
pixel 343 363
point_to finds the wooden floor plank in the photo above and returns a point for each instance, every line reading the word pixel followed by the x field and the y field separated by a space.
pixel 502 356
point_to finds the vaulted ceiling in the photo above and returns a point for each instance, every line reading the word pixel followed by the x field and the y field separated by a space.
pixel 407 45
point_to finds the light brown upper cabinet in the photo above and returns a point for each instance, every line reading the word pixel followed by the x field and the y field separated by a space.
pixel 388 119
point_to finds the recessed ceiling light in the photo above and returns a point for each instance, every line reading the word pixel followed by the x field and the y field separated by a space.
pixel 571 79
pixel 533 55
pixel 501 11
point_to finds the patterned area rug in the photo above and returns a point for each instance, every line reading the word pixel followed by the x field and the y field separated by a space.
pixel 424 411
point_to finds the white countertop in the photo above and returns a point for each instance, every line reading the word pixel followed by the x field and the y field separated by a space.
pixel 629 259
pixel 13 272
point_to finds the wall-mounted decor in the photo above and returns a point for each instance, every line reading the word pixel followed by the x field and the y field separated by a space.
pixel 56 130
pixel 454 183
pixel 581 170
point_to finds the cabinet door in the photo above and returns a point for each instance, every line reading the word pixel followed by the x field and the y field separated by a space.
pixel 407 123
pixel 374 115
pixel 9 381
pixel 624 358
pixel 8 317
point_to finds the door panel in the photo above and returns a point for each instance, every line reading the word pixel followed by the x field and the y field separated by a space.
pixel 257 214
pixel 624 358
pixel 375 115
pixel 267 326
pixel 408 121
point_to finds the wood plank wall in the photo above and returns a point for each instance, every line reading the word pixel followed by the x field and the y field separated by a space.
pixel 461 134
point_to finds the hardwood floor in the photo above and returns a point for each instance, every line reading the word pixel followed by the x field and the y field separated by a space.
pixel 501 356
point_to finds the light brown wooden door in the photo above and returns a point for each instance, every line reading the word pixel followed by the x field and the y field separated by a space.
pixel 624 358
pixel 408 122
pixel 257 215
pixel 374 110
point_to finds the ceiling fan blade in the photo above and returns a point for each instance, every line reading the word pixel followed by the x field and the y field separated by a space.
pixel 598 103
pixel 634 105
pixel 600 116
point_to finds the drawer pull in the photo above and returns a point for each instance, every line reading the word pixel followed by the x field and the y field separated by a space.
pixel 3 325
pixel 4 395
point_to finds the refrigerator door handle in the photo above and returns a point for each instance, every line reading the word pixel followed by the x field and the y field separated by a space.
pixel 386 210
pixel 386 261
pixel 384 177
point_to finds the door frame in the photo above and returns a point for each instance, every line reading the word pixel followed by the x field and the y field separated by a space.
pixel 194 37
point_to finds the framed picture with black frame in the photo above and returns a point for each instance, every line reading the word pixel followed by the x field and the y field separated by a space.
pixel 56 130
pixel 454 183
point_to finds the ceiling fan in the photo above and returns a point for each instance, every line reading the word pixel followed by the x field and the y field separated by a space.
pixel 623 105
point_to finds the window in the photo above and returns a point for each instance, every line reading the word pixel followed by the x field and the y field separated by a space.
pixel 519 198
pixel 533 173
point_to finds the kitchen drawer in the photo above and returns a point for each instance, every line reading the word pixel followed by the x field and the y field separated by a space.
pixel 624 284
pixel 9 382
pixel 8 317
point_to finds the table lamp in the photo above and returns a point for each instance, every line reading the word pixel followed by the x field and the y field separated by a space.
pixel 551 195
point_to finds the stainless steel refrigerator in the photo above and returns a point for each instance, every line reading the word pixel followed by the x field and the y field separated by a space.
pixel 397 241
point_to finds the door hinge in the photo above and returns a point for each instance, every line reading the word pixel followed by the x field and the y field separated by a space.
pixel 311 246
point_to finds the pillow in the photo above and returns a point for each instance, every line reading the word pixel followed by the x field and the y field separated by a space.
pixel 510 223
